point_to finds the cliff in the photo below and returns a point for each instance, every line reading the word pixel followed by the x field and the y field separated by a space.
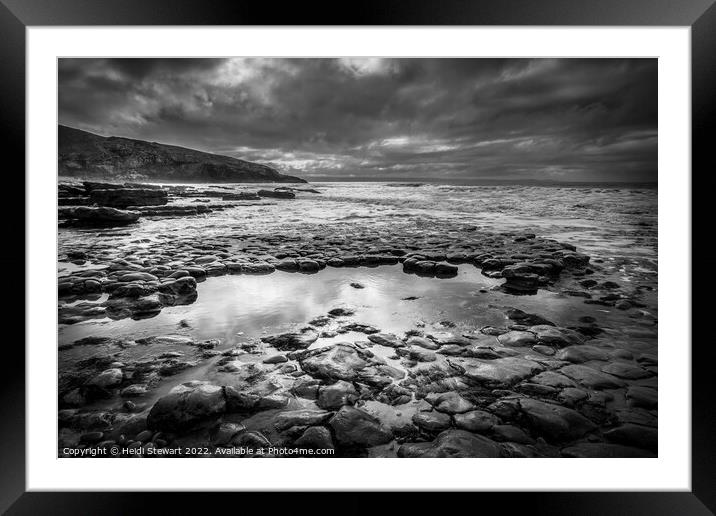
pixel 87 155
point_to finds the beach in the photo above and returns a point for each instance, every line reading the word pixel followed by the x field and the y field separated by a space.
pixel 373 319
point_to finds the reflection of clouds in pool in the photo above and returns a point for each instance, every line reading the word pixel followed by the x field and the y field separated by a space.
pixel 252 306
pixel 280 301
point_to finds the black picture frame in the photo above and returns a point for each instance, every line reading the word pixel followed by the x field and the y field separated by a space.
pixel 700 15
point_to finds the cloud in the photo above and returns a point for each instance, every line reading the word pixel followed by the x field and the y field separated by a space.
pixel 577 119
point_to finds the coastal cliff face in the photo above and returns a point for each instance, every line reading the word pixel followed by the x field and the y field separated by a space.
pixel 83 154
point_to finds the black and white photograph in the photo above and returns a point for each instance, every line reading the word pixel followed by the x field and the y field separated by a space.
pixel 359 257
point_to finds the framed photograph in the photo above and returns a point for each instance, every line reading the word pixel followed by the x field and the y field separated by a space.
pixel 425 249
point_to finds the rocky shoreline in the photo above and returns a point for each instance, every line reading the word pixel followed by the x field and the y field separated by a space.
pixel 529 387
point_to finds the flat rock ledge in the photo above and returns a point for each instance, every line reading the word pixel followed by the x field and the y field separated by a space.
pixel 180 259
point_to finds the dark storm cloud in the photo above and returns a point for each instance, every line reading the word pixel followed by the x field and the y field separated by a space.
pixel 570 119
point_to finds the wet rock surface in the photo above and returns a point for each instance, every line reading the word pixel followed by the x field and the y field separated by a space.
pixel 502 375
pixel 124 197
pixel 186 405
pixel 452 443
pixel 97 216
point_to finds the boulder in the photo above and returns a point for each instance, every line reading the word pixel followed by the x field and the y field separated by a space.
pixel 425 267
pixel 341 312
pixel 137 276
pixel 276 400
pixel 637 416
pixel 132 391
pixel 186 405
pixel 574 259
pixel 136 308
pixel 292 341
pixel 447 339
pixel 181 286
pixel 417 353
pixel 445 270
pixel 302 417
pixel 334 396
pixel 423 343
pixel 560 337
pixel 634 435
pixel 355 427
pixel 222 434
pixel 643 397
pixel 386 339
pixel 107 379
pixel 583 353
pixel 510 433
pixel 626 371
pixel 536 389
pixel 543 350
pixel 520 279
pixel 257 268
pixel 476 421
pixel 517 338
pixel 554 422
pixel 315 438
pixel 449 402
pixel 287 264
pixel 361 328
pixel 552 379
pixel 306 387
pixel 454 444
pixel 431 421
pixel 502 372
pixel 307 265
pixel 476 351
pixel 515 314
pixel 591 378
pixel 253 439
pixel 240 401
pixel 340 361
pixel 275 359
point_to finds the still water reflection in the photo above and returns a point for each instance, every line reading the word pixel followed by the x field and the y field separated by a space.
pixel 236 308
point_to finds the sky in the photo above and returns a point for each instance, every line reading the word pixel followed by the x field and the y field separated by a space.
pixel 388 119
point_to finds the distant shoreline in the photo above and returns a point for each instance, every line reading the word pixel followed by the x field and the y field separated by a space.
pixel 406 182
pixel 493 182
